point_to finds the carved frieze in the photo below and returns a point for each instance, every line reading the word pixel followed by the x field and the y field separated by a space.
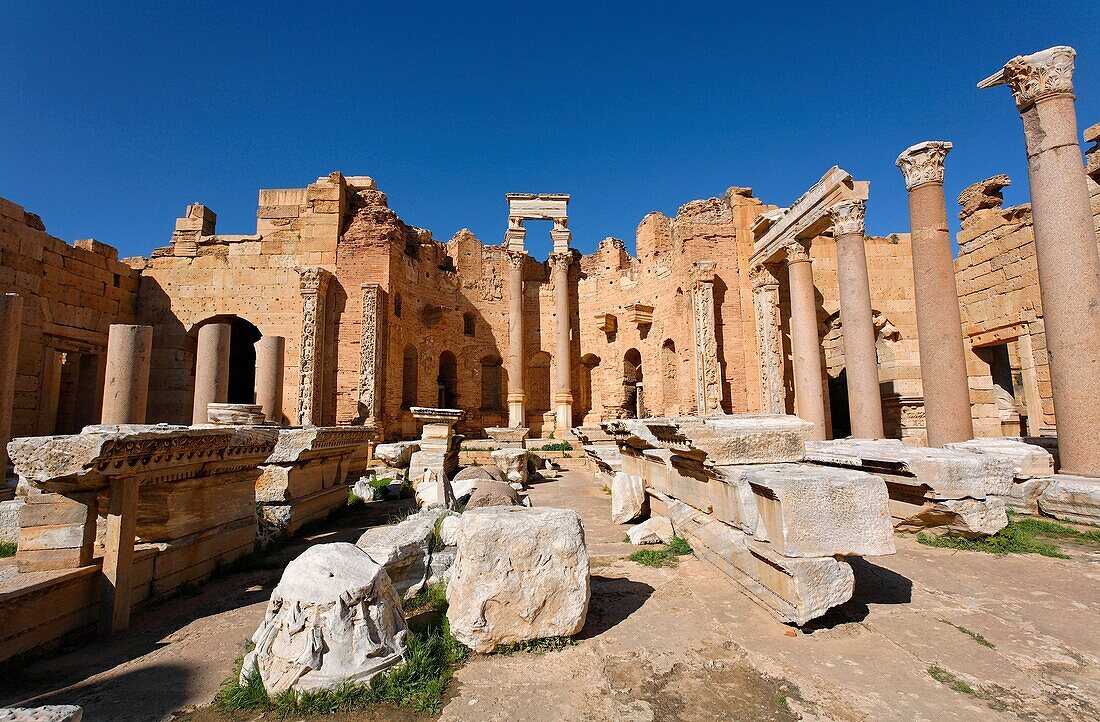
pixel 768 342
pixel 370 354
pixel 314 282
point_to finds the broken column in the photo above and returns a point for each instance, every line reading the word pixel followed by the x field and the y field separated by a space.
pixel 1065 247
pixel 11 322
pixel 269 377
pixel 211 369
pixel 563 397
pixel 860 356
pixel 939 323
pixel 126 384
pixel 805 344
pixel 517 411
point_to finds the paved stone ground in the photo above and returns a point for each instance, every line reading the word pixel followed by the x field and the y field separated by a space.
pixel 684 644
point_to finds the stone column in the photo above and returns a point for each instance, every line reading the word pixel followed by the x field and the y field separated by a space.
pixel 939 323
pixel 563 397
pixel 805 343
pixel 126 384
pixel 269 377
pixel 708 373
pixel 860 356
pixel 314 286
pixel 1065 248
pixel 211 369
pixel 765 296
pixel 11 323
pixel 516 399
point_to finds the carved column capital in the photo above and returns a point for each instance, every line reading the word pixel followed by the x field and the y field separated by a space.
pixel 702 271
pixel 1036 76
pixel 797 252
pixel 923 163
pixel 848 217
pixel 313 280
pixel 515 259
pixel 762 277
pixel 560 260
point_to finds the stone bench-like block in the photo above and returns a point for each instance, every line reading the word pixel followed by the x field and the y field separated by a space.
pixel 720 440
pixel 1028 460
pixel 49 713
pixel 398 453
pixel 1075 498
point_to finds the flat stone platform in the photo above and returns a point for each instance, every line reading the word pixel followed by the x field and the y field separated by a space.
pixel 680 643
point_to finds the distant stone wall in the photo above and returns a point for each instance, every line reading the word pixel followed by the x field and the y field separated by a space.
pixel 71 296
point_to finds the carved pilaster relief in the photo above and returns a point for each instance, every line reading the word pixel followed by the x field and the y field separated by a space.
pixel 370 354
pixel 313 286
pixel 708 373
pixel 769 344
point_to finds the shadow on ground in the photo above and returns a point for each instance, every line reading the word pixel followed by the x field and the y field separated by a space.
pixel 874 585
pixel 613 600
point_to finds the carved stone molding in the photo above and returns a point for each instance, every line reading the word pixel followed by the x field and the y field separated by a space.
pixel 515 259
pixel 370 354
pixel 312 279
pixel 848 217
pixel 797 252
pixel 708 372
pixel 1036 76
pixel 923 163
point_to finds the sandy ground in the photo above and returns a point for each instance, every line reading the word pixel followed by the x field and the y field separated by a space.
pixel 678 644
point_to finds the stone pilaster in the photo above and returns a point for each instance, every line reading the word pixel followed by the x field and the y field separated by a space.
pixel 314 285
pixel 769 344
pixel 11 324
pixel 517 416
pixel 939 323
pixel 857 322
pixel 809 393
pixel 563 396
pixel 370 354
pixel 708 372
pixel 1065 247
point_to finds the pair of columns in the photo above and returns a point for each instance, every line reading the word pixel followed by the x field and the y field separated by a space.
pixel 860 356
pixel 212 372
pixel 563 396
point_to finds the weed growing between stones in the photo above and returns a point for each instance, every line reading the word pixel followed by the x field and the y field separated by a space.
pixel 606 489
pixel 944 677
pixel 973 635
pixel 7 549
pixel 433 599
pixel 537 646
pixel 1021 536
pixel 559 446
pixel 419 684
pixel 669 556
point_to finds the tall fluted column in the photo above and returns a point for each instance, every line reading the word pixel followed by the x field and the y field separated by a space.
pixel 126 382
pixel 805 343
pixel 860 356
pixel 517 411
pixel 211 369
pixel 563 397
pixel 1065 248
pixel 269 377
pixel 11 323
pixel 939 323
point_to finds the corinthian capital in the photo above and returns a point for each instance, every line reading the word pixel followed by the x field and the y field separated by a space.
pixel 515 259
pixel 1036 76
pixel 796 252
pixel 560 261
pixel 923 163
pixel 761 276
pixel 848 217
pixel 702 271
pixel 312 279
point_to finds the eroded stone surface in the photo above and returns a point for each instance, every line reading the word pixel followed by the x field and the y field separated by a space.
pixel 654 530
pixel 398 453
pixel 966 517
pixel 493 493
pixel 513 462
pixel 404 549
pixel 520 574
pixel 1075 498
pixel 334 617
pixel 1028 460
pixel 628 500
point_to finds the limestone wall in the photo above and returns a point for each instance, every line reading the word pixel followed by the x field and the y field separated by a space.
pixel 71 296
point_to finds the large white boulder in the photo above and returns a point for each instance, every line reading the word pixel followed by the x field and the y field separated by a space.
pixel 334 617
pixel 513 462
pixel 480 473
pixel 654 530
pixel 399 453
pixel 627 498
pixel 404 549
pixel 1076 498
pixel 520 574
pixel 972 518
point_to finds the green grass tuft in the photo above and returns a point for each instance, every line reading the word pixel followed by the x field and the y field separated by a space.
pixel 679 546
pixel 418 684
pixel 433 598
pixel 669 556
pixel 1021 536
pixel 7 549
pixel 973 635
pixel 537 646
pixel 944 677
pixel 558 446
pixel 606 489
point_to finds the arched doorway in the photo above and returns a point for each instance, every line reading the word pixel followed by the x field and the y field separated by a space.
pixel 633 401
pixel 242 361
pixel 447 381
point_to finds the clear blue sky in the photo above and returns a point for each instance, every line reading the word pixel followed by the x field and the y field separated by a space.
pixel 116 116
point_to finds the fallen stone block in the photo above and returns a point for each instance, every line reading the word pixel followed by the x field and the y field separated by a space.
pixel 9 519
pixel 48 713
pixel 1024 494
pixel 493 493
pixel 520 574
pixel 474 473
pixel 435 494
pixel 1027 460
pixel 654 530
pixel 449 529
pixel 1074 498
pixel 513 462
pixel 815 511
pixel 723 439
pixel 628 499
pixel 333 618
pixel 404 549
pixel 397 454
pixel 971 518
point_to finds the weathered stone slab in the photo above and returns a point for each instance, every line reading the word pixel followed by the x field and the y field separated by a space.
pixel 493 493
pixel 398 453
pixel 972 518
pixel 720 440
pixel 234 414
pixel 513 462
pixel 1028 460
pixel 333 618
pixel 607 458
pixel 628 498
pixel 49 713
pixel 404 549
pixel 1075 498
pixel 1024 495
pixel 814 511
pixel 520 574
pixel 475 473
pixel 654 530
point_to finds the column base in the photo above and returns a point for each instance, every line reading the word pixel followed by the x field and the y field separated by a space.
pixel 564 415
pixel 517 410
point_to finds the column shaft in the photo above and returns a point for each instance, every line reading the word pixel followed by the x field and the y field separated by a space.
pixel 269 377
pixel 211 369
pixel 126 385
pixel 11 324
pixel 516 406
pixel 805 345
pixel 860 356
pixel 563 398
